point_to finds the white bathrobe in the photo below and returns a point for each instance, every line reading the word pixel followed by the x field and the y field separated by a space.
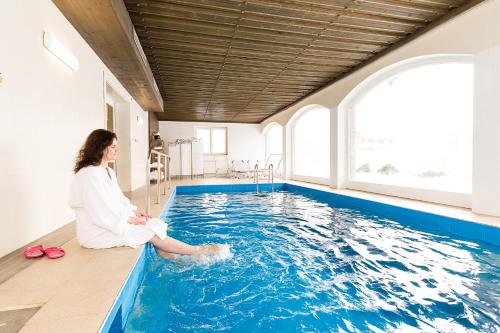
pixel 102 212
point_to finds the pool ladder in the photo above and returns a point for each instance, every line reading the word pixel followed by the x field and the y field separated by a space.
pixel 270 176
pixel 159 169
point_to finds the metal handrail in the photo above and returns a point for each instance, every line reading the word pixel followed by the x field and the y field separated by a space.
pixel 270 176
pixel 279 162
pixel 166 172
pixel 256 176
pixel 271 171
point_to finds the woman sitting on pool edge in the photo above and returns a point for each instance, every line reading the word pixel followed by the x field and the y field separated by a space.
pixel 105 218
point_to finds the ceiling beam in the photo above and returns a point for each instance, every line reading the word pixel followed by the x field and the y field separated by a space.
pixel 106 27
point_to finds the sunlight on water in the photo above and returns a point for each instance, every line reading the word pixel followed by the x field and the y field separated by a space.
pixel 293 264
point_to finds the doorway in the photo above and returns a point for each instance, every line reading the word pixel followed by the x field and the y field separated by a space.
pixel 110 126
pixel 117 120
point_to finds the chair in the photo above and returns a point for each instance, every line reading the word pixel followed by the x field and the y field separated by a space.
pixel 275 160
pixel 240 169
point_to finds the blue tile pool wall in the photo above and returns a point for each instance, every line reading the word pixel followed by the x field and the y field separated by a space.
pixel 169 203
pixel 464 229
pixel 118 315
pixel 229 188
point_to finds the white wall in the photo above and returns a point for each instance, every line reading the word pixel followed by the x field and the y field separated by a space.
pixel 46 111
pixel 244 141
pixel 486 165
pixel 139 146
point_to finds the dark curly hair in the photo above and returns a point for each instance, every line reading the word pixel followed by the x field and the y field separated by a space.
pixel 93 149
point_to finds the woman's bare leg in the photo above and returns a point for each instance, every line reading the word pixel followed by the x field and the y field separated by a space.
pixel 166 255
pixel 172 245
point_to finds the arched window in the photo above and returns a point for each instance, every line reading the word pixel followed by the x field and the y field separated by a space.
pixel 310 133
pixel 274 147
pixel 412 127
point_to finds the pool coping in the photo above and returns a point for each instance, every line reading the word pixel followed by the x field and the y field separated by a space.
pixel 116 316
pixel 418 218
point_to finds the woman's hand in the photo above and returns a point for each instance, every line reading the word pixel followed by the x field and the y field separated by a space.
pixel 136 220
pixel 143 214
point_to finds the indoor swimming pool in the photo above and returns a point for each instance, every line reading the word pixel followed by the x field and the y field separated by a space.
pixel 309 261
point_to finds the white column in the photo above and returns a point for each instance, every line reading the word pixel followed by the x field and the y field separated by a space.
pixel 486 165
pixel 338 147
pixel 333 148
pixel 287 151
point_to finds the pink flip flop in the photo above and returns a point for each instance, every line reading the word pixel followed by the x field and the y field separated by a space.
pixel 54 252
pixel 32 252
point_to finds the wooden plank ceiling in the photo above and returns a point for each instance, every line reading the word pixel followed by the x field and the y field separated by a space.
pixel 243 61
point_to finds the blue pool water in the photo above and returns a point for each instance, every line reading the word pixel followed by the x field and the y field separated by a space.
pixel 301 265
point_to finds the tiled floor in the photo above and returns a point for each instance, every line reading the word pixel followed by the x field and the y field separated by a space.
pixel 13 320
pixel 76 291
pixel 15 262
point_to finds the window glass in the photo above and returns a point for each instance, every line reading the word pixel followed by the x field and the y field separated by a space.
pixel 204 135
pixel 214 139
pixel 415 129
pixel 311 144
pixel 218 140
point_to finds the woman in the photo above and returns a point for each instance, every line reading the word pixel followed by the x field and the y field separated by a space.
pixel 104 216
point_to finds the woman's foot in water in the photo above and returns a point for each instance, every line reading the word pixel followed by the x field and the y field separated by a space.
pixel 202 249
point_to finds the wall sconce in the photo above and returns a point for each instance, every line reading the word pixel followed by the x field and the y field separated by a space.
pixel 57 49
pixel 140 121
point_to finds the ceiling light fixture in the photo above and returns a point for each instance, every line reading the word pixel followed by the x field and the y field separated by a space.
pixel 57 49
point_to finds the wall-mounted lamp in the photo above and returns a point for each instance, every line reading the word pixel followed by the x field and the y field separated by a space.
pixel 57 49
pixel 140 121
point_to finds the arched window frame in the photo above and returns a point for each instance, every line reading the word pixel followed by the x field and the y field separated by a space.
pixel 291 137
pixel 357 94
pixel 266 131
pixel 278 168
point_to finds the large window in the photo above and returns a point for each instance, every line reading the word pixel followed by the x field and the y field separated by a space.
pixel 214 139
pixel 311 144
pixel 414 129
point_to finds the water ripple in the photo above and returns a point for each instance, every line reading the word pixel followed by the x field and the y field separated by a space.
pixel 304 266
